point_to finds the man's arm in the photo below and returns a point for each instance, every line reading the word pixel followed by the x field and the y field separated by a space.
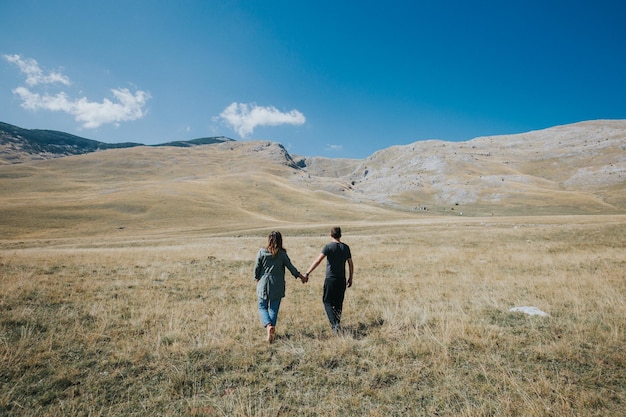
pixel 314 265
pixel 351 270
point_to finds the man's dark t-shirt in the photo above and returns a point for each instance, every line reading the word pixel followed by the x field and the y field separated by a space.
pixel 336 254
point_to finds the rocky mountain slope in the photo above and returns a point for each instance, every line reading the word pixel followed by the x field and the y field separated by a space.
pixel 578 167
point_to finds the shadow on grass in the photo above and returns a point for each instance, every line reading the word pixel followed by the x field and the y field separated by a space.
pixel 362 329
pixel 359 331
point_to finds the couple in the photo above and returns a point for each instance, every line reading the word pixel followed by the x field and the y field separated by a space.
pixel 269 273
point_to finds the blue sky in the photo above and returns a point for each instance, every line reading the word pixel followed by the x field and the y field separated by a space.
pixel 324 78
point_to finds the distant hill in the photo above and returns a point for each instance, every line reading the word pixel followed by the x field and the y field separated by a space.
pixel 197 142
pixel 20 145
pixel 242 186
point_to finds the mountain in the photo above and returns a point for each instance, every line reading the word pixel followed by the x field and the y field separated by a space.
pixel 573 168
pixel 20 145
pixel 243 187
pixel 197 142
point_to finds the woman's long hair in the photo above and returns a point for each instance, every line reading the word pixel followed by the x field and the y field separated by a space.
pixel 275 243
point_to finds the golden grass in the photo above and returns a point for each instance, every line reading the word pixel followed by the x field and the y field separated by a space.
pixel 167 325
pixel 164 191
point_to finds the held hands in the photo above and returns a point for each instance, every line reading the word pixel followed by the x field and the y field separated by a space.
pixel 305 278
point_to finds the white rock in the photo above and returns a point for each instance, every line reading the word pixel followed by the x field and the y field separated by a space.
pixel 531 311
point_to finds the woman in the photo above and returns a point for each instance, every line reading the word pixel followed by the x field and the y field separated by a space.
pixel 269 273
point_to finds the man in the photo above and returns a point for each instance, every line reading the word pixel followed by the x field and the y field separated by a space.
pixel 337 254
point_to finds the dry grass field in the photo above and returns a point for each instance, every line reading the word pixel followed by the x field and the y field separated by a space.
pixel 126 282
pixel 167 325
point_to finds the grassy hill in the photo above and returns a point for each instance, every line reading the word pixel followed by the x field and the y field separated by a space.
pixel 232 187
pixel 575 169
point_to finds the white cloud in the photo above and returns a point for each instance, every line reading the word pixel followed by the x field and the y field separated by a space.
pixel 34 74
pixel 126 105
pixel 244 118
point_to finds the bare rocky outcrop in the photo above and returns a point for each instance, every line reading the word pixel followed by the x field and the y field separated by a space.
pixel 580 164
